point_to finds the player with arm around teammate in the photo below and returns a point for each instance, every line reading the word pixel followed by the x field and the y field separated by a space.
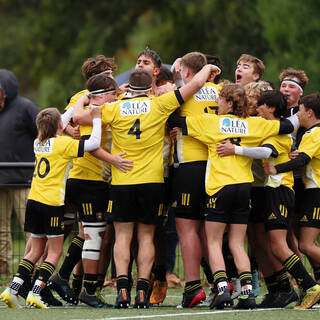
pixel 138 125
pixel 45 207
pixel 228 195
pixel 308 159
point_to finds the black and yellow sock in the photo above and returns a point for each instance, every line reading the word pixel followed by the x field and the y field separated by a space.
pixel 296 268
pixel 90 283
pixel 192 286
pixel 283 280
pixel 246 282
pixel 100 280
pixel 122 282
pixel 25 268
pixel 143 284
pixel 272 284
pixel 72 258
pixel 77 283
pixel 220 280
pixel 45 272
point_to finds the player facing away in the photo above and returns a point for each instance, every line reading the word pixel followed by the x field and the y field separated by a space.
pixel 45 207
pixel 228 195
pixel 138 127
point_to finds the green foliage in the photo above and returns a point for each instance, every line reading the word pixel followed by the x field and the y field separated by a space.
pixel 291 28
pixel 45 42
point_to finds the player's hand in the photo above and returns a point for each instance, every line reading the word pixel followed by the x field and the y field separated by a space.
pixel 177 65
pixel 225 148
pixel 173 134
pixel 124 87
pixel 293 154
pixel 76 133
pixel 120 163
pixel 269 168
pixel 73 132
pixel 95 111
pixel 165 88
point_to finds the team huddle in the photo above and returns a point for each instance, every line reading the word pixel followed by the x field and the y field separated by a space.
pixel 229 160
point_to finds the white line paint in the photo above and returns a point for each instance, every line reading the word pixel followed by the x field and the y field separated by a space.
pixel 192 314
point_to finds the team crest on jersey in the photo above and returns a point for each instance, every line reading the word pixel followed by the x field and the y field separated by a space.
pixel 233 125
pixel 135 107
pixel 206 94
pixel 43 147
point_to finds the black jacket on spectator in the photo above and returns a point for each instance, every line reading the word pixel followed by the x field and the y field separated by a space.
pixel 17 130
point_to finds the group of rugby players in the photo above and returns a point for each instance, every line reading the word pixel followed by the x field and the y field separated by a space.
pixel 227 159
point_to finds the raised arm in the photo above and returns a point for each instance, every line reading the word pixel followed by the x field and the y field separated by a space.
pixel 80 115
pixel 198 81
pixel 95 138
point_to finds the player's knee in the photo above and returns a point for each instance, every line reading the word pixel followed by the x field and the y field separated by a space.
pixel 304 247
pixel 93 237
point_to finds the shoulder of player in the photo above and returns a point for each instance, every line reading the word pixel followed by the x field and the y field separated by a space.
pixel 74 98
pixel 315 130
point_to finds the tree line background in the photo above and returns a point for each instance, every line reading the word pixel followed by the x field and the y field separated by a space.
pixel 45 42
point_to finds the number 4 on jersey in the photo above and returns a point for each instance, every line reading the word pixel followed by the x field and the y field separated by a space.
pixel 135 129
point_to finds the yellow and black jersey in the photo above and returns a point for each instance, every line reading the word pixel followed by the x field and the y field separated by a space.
pixel 75 98
pixel 204 101
pixel 52 165
pixel 211 129
pixel 311 147
pixel 281 146
pixel 138 127
pixel 89 167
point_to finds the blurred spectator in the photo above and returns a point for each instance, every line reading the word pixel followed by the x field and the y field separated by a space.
pixel 17 132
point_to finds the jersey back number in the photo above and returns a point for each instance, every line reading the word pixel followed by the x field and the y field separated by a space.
pixel 43 163
pixel 135 129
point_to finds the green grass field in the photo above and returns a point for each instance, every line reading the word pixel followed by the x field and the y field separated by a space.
pixel 166 310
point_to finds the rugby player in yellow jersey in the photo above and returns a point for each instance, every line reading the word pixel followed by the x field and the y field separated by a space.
pixel 249 69
pixel 93 66
pixel 308 159
pixel 189 181
pixel 138 126
pixel 276 205
pixel 150 61
pixel 228 183
pixel 45 207
pixel 87 190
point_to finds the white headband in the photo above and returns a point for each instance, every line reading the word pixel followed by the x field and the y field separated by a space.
pixel 100 91
pixel 139 89
pixel 296 83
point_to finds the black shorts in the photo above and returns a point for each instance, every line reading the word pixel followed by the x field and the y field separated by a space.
pixel 189 190
pixel 257 211
pixel 309 215
pixel 90 198
pixel 298 188
pixel 141 203
pixel 230 205
pixel 279 208
pixel 44 219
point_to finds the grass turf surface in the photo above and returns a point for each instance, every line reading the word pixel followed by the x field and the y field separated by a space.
pixel 166 310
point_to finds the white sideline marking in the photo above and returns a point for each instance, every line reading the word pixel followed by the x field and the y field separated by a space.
pixel 188 314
